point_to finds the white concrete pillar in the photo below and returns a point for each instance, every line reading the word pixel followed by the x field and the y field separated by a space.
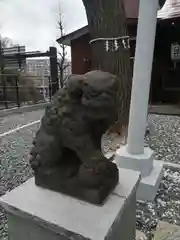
pixel 134 155
pixel 142 75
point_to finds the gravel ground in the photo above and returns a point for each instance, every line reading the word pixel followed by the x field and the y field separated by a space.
pixel 14 148
pixel 166 206
pixel 164 139
pixel 14 168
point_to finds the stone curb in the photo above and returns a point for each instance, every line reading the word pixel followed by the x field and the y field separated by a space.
pixel 172 166
pixel 29 108
pixel 166 110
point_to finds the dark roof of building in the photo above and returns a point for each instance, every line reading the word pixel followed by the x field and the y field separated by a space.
pixel 171 9
pixel 66 40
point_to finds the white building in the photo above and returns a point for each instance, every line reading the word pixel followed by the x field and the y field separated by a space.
pixel 39 69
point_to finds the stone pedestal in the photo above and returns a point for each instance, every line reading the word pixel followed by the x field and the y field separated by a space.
pixel 35 213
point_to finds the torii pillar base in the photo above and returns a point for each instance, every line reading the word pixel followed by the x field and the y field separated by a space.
pixel 151 171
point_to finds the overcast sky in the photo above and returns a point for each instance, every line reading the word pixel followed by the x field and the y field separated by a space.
pixel 34 22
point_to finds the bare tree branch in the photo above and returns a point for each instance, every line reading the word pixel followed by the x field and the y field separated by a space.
pixel 61 55
pixel 5 42
pixel 62 63
pixel 65 66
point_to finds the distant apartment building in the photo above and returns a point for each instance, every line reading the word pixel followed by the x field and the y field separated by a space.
pixel 39 69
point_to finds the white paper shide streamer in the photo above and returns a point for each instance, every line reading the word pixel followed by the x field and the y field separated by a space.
pixel 113 44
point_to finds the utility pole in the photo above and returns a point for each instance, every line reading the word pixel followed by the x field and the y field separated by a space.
pixel 54 70
pixel 2 75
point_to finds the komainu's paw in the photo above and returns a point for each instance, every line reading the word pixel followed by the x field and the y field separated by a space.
pixel 34 160
pixel 88 177
pixel 95 176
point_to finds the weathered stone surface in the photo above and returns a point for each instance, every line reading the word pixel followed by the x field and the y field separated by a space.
pixel 67 156
pixel 166 231
pixel 140 235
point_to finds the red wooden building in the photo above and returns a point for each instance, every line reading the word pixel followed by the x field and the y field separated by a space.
pixel 165 86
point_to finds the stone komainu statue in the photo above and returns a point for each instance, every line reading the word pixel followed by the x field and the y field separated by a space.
pixel 66 154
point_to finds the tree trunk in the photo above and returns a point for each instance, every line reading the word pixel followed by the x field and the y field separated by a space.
pixel 106 19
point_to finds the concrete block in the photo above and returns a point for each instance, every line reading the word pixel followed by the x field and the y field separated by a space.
pixel 137 162
pixel 35 213
pixel 151 171
pixel 149 185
